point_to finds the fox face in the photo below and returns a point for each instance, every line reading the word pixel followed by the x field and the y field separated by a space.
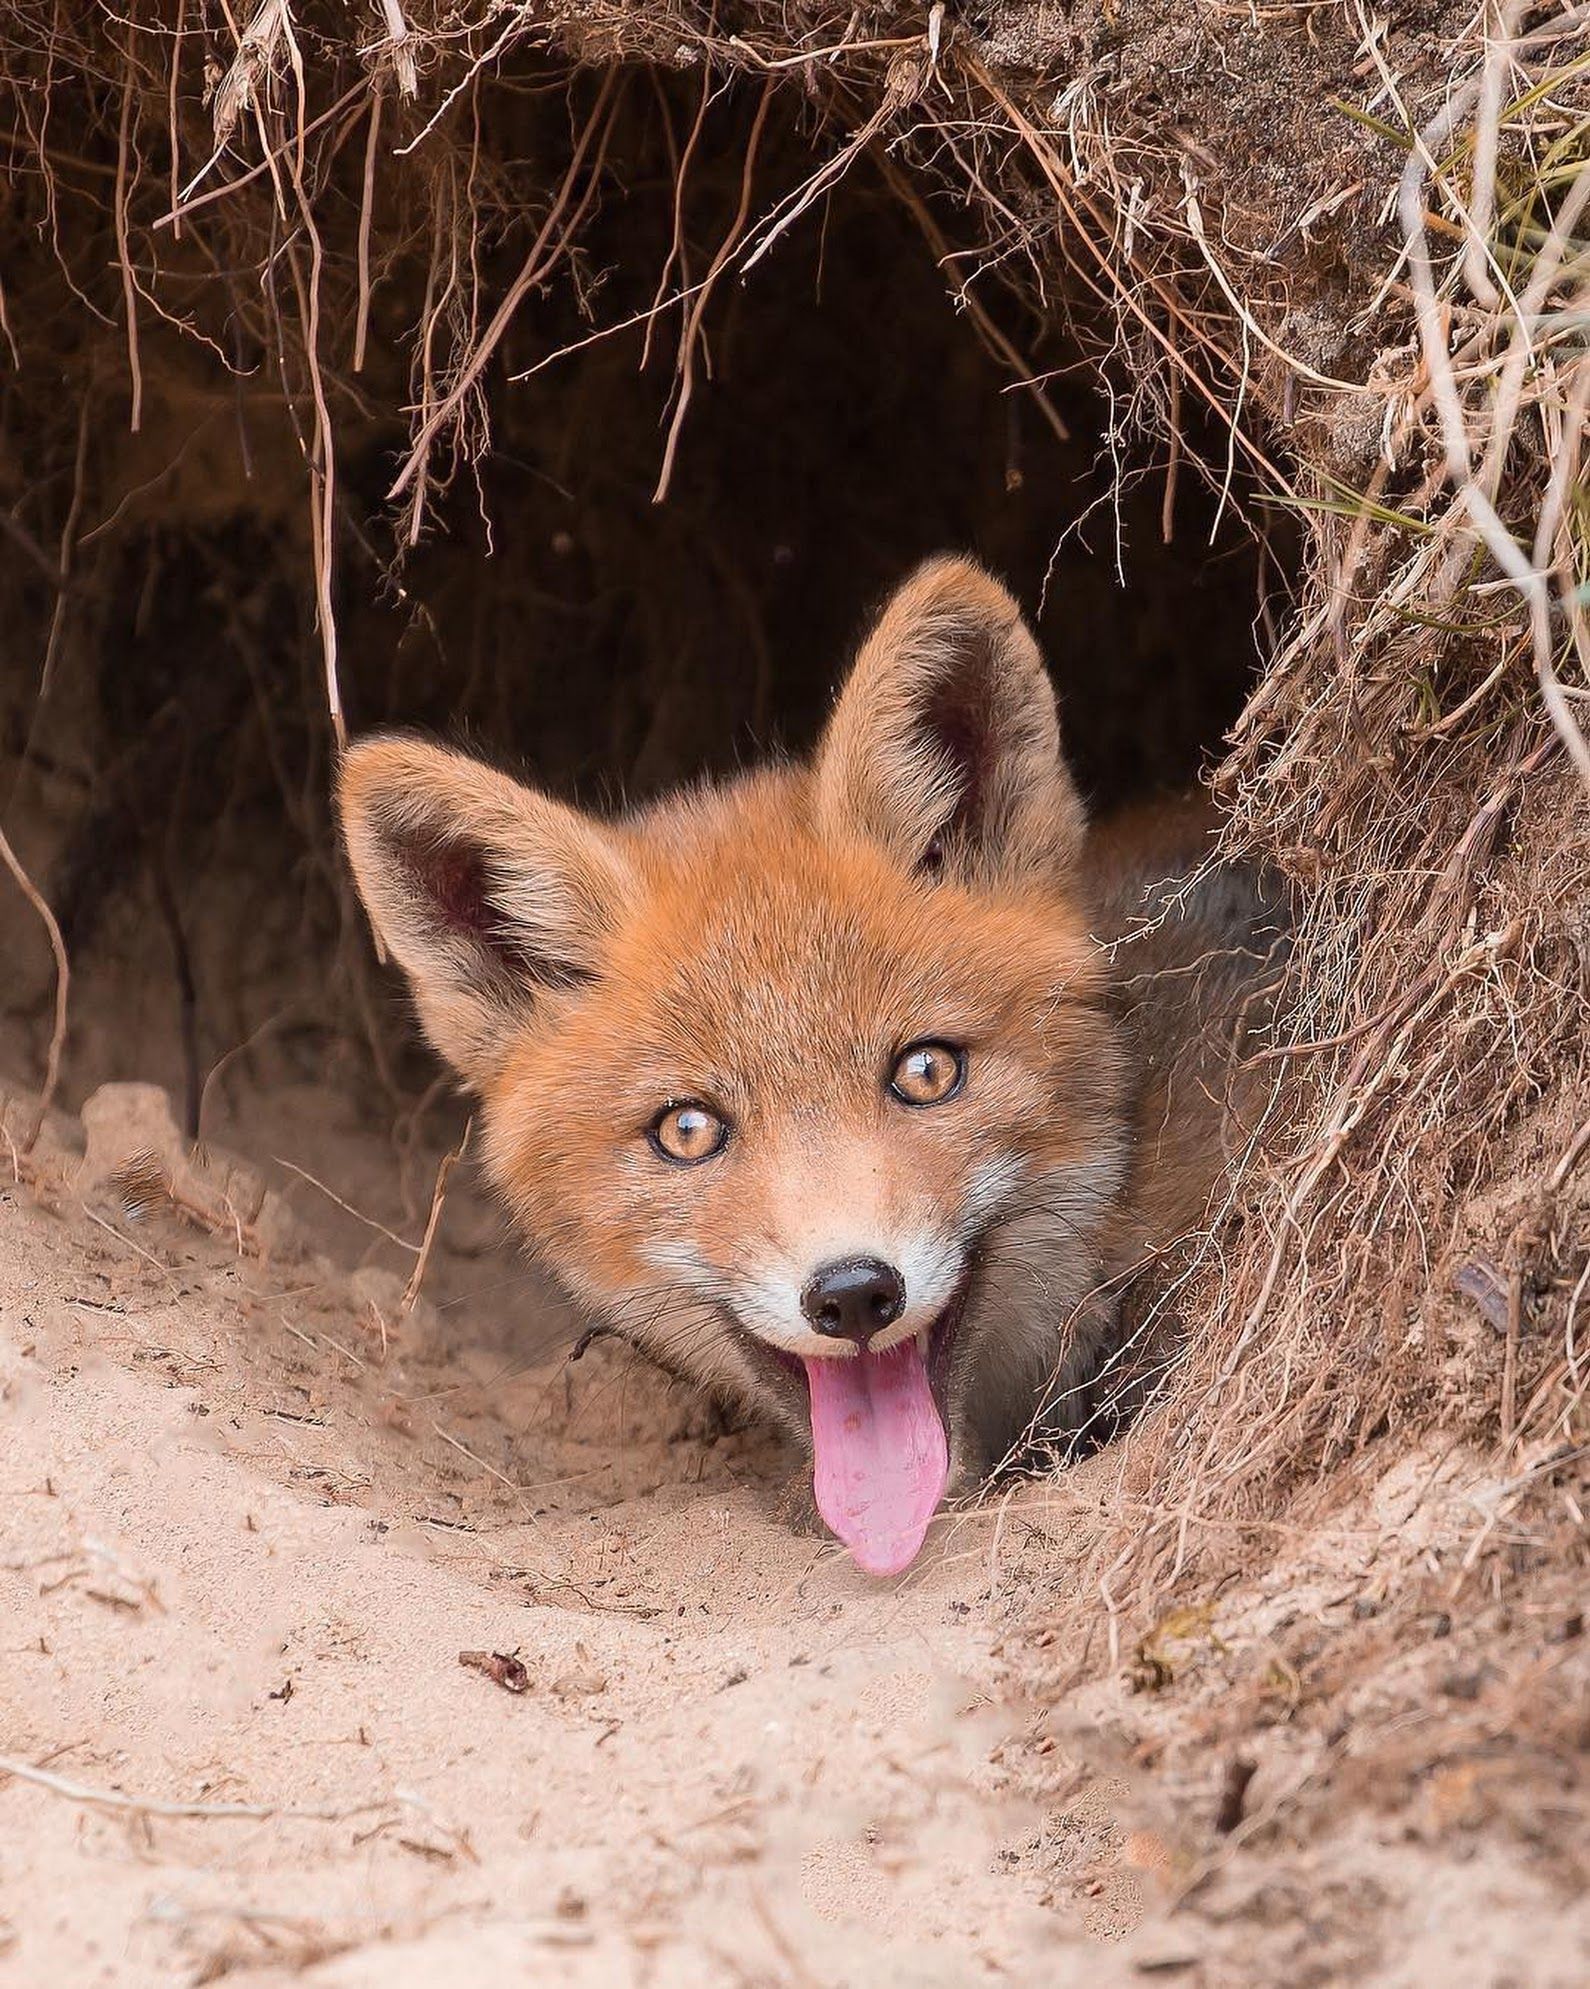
pixel 809 1083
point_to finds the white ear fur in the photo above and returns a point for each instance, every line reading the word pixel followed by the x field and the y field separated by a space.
pixel 487 894
pixel 945 743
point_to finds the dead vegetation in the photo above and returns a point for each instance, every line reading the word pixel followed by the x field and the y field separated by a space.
pixel 1415 756
pixel 1333 269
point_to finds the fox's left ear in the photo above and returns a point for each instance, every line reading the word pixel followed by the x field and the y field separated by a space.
pixel 945 744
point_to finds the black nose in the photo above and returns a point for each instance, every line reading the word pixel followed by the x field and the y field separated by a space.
pixel 855 1299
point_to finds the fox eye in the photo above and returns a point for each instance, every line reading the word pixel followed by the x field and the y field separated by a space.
pixel 688 1133
pixel 927 1073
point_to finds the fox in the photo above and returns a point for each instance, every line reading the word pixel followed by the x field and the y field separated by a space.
pixel 865 1091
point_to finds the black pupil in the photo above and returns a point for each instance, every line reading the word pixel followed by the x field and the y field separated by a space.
pixel 691 1124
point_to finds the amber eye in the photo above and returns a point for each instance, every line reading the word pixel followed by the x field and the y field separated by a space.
pixel 928 1073
pixel 688 1134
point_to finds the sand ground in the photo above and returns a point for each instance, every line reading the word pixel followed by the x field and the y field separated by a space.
pixel 252 1514
pixel 244 1547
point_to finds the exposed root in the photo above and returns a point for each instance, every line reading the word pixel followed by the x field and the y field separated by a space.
pixel 63 983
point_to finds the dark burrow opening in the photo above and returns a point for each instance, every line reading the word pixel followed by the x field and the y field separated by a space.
pixel 167 785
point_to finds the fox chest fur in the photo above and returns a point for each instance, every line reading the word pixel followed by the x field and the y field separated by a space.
pixel 859 1091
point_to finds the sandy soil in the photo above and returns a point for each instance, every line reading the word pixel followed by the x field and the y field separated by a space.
pixel 244 1550
pixel 251 1515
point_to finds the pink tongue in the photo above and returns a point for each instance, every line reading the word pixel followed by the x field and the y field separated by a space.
pixel 881 1454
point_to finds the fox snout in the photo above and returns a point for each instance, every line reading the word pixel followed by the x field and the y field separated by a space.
pixel 854 1299
pixel 864 1288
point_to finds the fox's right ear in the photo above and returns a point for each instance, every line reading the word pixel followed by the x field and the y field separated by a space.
pixel 487 894
pixel 945 743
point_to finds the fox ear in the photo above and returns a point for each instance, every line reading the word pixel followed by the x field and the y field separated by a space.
pixel 487 894
pixel 945 744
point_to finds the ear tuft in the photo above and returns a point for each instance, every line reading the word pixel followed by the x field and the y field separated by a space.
pixel 489 895
pixel 945 743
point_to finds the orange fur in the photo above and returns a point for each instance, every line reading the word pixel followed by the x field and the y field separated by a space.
pixel 768 947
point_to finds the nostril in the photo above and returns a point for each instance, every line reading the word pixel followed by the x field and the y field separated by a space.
pixel 828 1313
pixel 886 1295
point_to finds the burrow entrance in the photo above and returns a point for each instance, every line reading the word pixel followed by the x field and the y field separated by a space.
pixel 167 746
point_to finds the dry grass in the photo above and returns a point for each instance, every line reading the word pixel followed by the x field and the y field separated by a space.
pixel 1415 756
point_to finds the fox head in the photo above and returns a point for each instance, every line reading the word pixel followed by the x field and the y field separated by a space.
pixel 808 1082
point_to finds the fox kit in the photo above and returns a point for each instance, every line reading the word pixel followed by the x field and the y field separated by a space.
pixel 834 1087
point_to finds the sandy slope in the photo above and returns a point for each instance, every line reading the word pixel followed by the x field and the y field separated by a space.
pixel 249 1519
pixel 242 1553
